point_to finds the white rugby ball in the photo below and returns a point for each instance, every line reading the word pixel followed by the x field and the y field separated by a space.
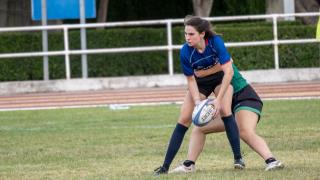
pixel 203 113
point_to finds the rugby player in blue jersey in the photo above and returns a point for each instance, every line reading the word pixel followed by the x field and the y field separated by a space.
pixel 204 49
pixel 246 107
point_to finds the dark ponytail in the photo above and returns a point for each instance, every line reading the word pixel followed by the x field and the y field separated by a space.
pixel 201 25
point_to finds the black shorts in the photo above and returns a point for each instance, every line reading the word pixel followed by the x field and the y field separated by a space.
pixel 206 85
pixel 247 99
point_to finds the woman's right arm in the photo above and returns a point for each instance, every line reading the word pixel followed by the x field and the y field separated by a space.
pixel 193 88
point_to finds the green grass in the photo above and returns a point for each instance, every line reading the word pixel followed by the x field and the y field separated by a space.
pixel 98 143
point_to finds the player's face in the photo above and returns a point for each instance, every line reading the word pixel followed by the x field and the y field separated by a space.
pixel 193 37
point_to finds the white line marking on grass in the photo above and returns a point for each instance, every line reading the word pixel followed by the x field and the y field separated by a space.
pixel 37 129
pixel 90 106
pixel 292 98
pixel 144 127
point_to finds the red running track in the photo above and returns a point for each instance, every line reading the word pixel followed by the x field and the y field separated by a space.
pixel 143 96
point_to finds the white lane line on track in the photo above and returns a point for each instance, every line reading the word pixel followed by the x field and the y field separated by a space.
pixel 140 104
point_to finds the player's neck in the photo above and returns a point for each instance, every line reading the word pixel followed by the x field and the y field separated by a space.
pixel 201 46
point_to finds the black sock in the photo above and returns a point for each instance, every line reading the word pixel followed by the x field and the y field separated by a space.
pixel 233 135
pixel 174 144
pixel 188 163
pixel 270 160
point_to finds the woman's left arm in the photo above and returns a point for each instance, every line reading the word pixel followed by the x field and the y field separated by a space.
pixel 226 80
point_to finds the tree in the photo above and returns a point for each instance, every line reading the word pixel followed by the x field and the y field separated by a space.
pixel 3 13
pixel 103 11
pixel 302 6
pixel 202 7
pixel 18 13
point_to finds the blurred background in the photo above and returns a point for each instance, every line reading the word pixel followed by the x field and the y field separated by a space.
pixel 18 12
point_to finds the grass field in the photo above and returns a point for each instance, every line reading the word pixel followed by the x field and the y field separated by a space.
pixel 98 143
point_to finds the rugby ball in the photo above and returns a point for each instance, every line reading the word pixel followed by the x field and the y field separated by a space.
pixel 203 113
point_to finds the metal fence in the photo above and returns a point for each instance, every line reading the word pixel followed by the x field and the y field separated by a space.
pixel 169 47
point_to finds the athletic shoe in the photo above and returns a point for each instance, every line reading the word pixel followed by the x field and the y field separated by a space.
pixel 239 164
pixel 275 165
pixel 160 170
pixel 184 169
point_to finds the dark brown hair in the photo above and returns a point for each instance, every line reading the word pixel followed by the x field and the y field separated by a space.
pixel 201 25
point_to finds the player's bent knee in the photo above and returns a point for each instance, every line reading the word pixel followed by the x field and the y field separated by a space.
pixel 225 111
pixel 186 121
